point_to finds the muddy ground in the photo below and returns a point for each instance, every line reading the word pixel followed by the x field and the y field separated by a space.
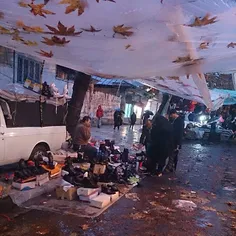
pixel 206 176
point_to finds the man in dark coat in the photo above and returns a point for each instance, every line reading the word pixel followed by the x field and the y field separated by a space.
pixel 161 144
pixel 178 132
pixel 133 119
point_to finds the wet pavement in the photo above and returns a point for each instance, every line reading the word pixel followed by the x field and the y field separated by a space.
pixel 206 176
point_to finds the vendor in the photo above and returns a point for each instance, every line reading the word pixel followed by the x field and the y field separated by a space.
pixel 81 139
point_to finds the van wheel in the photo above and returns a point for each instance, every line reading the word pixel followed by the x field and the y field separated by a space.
pixel 38 151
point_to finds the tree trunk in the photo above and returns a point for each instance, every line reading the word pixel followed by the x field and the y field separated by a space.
pixel 163 103
pixel 81 85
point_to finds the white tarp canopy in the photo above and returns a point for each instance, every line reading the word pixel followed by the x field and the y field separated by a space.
pixel 128 39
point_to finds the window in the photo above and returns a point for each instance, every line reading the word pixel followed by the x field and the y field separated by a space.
pixel 65 73
pixel 28 68
pixel 6 56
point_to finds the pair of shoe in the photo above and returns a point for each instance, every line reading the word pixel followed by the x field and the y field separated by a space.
pixel 109 189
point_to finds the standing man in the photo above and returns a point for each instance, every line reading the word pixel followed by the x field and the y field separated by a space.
pixel 178 131
pixel 133 119
pixel 99 115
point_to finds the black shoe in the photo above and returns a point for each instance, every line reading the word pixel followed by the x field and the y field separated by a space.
pixel 22 164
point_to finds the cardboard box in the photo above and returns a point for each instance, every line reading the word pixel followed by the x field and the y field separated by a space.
pixel 87 191
pixel 99 169
pixel 101 201
pixel 41 177
pixel 42 181
pixel 24 186
pixel 88 198
pixel 115 196
pixel 69 195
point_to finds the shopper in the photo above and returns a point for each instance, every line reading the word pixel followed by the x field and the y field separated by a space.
pixel 81 139
pixel 161 145
pixel 133 119
pixel 118 121
pixel 178 131
pixel 147 135
pixel 99 115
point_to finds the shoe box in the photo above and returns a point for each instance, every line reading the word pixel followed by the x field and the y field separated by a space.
pixel 87 191
pixel 101 201
pixel 42 179
pixel 70 194
pixel 24 186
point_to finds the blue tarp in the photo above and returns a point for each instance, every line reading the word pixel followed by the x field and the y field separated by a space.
pixel 231 99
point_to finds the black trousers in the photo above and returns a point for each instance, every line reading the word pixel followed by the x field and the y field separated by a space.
pixel 89 151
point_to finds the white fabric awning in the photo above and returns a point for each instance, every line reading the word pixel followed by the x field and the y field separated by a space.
pixel 163 38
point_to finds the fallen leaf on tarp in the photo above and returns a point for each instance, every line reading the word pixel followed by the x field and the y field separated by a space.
pixel 16 36
pixel 209 225
pixel 123 30
pixel 33 29
pixel 84 227
pixel 63 30
pixel 30 43
pixel 38 9
pixel 45 54
pixel 91 29
pixel 132 196
pixel 4 30
pixel 23 4
pixel 75 5
pixel 54 40
pixel 202 21
pixel 127 46
pixel 204 45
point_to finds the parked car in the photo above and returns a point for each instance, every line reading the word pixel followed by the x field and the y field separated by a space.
pixel 26 142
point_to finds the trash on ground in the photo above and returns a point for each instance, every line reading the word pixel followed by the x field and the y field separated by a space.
pixel 132 196
pixel 231 189
pixel 185 205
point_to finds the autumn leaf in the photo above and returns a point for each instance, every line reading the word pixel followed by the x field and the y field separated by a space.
pixel 173 78
pixel 16 36
pixel 123 30
pixel 91 29
pixel 85 227
pixel 63 30
pixel 30 29
pixel 54 40
pixel 74 5
pixel 38 9
pixel 231 45
pixel 23 4
pixel 206 20
pixel 127 46
pixel 45 54
pixel 204 45
pixel 4 30
pixel 30 43
pixel 182 59
pixel 1 15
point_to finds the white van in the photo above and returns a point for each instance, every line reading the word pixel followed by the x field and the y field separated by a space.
pixel 25 142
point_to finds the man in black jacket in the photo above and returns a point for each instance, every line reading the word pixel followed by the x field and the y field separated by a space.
pixel 178 131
